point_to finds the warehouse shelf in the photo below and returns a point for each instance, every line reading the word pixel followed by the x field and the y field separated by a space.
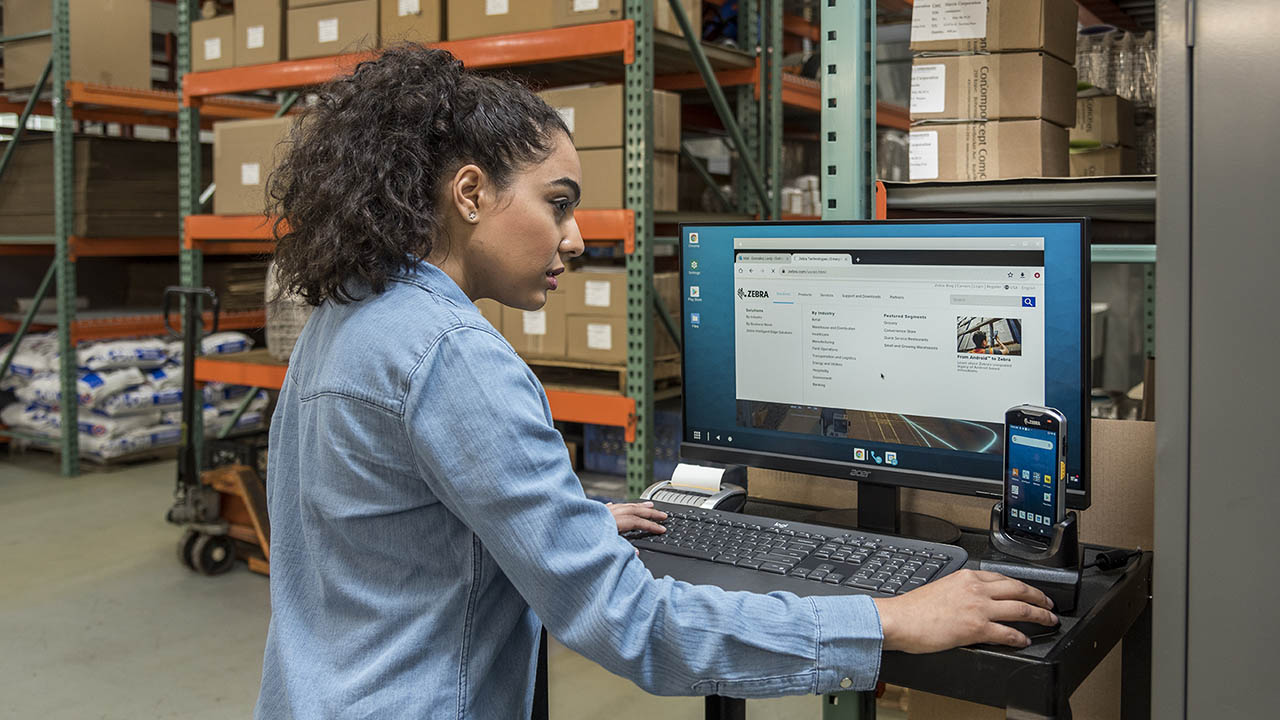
pixel 255 368
pixel 83 247
pixel 251 234
pixel 129 106
pixel 123 324
pixel 1130 198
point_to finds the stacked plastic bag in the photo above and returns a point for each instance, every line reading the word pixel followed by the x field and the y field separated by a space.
pixel 129 393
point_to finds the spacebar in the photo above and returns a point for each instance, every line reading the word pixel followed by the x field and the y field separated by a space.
pixel 673 550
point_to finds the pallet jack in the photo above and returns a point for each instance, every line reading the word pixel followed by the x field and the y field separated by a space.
pixel 223 510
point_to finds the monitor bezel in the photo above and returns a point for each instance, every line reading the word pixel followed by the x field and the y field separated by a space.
pixel 915 479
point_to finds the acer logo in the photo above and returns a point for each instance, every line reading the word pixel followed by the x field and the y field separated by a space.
pixel 781 525
pixel 855 472
pixel 752 293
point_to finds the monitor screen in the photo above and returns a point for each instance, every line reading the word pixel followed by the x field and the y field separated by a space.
pixel 883 351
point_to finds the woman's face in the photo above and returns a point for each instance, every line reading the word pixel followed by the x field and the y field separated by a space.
pixel 524 234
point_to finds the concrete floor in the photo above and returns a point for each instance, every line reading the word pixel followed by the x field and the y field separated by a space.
pixel 99 620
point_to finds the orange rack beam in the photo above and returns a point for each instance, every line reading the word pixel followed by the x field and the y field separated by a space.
pixel 616 410
pixel 220 233
pixel 255 368
pixel 134 325
pixel 130 106
pixel 544 46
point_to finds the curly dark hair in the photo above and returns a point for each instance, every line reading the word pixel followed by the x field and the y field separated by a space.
pixel 356 193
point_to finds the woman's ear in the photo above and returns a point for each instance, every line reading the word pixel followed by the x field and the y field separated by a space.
pixel 467 190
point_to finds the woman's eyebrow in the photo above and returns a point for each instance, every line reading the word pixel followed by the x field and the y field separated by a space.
pixel 570 184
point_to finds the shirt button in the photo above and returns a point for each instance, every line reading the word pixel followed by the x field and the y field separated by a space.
pixel 846 683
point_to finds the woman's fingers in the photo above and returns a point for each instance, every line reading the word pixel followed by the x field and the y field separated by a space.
pixel 637 516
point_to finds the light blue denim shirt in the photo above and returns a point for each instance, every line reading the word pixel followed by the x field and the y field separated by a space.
pixel 425 519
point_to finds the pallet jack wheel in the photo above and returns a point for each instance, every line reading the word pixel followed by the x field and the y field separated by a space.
pixel 186 544
pixel 213 554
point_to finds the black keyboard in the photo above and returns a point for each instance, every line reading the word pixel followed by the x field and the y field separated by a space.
pixel 854 561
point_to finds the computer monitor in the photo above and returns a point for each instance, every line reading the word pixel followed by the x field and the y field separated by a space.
pixel 885 352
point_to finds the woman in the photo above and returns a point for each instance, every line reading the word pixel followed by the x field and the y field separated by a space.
pixel 425 518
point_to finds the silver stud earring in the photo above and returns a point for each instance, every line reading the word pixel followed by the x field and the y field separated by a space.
pixel 472 216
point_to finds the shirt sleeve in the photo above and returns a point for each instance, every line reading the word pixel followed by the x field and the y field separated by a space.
pixel 481 433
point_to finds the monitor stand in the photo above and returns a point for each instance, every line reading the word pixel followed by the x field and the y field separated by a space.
pixel 878 511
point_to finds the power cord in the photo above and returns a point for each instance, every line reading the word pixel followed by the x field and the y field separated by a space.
pixel 1112 559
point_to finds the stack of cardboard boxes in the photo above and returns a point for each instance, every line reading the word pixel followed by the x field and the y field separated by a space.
pixel 585 320
pixel 1102 141
pixel 593 115
pixel 992 88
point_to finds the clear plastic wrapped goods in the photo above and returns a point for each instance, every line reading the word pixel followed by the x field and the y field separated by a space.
pixel 223 343
pixel 141 399
pixel 36 355
pixel 116 354
pixel 92 387
pixel 146 438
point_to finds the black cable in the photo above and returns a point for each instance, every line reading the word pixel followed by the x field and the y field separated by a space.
pixel 1113 559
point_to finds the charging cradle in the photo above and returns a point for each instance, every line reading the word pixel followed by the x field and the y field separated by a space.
pixel 1054 570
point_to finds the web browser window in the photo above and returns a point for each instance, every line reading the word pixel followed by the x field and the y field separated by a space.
pixel 925 344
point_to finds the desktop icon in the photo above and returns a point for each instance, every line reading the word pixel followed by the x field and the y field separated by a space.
pixel 891 458
pixel 695 291
pixel 1035 477
pixel 1048 478
pixel 1022 514
pixel 695 319
pixel 693 238
pixel 876 457
pixel 1048 497
pixel 860 454
pixel 693 265
pixel 1013 490
pixel 697 434
pixel 1026 474
pixel 1015 473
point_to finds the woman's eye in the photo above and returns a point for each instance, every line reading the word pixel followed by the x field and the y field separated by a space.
pixel 562 205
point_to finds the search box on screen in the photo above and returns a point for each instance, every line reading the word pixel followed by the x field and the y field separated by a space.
pixel 1031 442
pixel 992 300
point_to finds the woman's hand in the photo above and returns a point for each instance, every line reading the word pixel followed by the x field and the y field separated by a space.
pixel 637 516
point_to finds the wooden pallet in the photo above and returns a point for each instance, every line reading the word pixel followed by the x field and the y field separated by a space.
pixel 575 376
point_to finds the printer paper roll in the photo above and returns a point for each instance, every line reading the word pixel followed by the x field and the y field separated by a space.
pixel 698 477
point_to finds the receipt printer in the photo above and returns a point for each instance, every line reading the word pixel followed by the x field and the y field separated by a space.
pixel 711 488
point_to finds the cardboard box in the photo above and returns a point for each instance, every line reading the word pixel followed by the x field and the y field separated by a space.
pixel 478 18
pixel 418 21
pixel 988 151
pixel 259 32
pixel 310 3
pixel 110 42
pixel 492 311
pixel 578 12
pixel 1104 161
pixel 1103 120
pixel 603 182
pixel 594 116
pixel 993 87
pixel 332 29
pixel 1006 25
pixel 603 291
pixel 537 333
pixel 213 45
pixel 603 339
pixel 245 152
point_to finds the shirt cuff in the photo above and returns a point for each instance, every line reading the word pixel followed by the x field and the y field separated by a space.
pixel 850 641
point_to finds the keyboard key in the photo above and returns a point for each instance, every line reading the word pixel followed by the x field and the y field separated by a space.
pixel 683 552
pixel 818 574
pixel 749 563
pixel 800 573
pixel 726 559
pixel 890 587
pixel 826 567
pixel 834 578
pixel 863 584
pixel 775 568
pixel 782 559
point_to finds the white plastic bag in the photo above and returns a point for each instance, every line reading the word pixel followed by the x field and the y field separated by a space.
pixel 93 387
pixel 164 377
pixel 141 399
pixel 115 354
pixel 96 425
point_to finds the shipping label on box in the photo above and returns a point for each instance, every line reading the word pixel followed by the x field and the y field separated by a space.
pixel 988 151
pixel 581 12
pixel 479 18
pixel 213 44
pixel 973 26
pixel 993 87
pixel 537 333
pixel 245 152
pixel 259 32
pixel 418 21
pixel 332 29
